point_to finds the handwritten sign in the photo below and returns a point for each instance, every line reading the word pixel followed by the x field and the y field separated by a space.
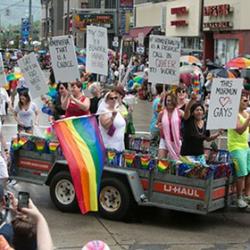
pixel 63 57
pixel 224 103
pixel 97 50
pixel 164 59
pixel 33 75
pixel 3 80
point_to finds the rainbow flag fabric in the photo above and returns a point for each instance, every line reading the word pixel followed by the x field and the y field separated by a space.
pixel 83 148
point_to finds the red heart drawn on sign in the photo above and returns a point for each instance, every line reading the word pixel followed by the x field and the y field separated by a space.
pixel 224 101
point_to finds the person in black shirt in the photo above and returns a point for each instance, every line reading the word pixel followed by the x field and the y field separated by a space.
pixel 194 132
pixel 95 91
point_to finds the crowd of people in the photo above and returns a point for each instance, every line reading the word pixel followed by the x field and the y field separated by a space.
pixel 178 124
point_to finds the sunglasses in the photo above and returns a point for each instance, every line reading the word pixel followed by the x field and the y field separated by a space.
pixel 182 91
pixel 245 100
pixel 113 98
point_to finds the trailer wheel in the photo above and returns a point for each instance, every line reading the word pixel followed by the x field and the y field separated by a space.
pixel 62 192
pixel 115 199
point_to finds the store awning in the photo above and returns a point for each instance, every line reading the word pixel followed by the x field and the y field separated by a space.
pixel 133 33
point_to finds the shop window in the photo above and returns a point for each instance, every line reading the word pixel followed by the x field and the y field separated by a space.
pixel 225 50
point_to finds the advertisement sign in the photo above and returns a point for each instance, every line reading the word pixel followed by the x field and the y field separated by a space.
pixel 33 75
pixel 224 103
pixel 97 50
pixel 126 4
pixel 63 58
pixel 164 59
pixel 81 21
pixel 3 80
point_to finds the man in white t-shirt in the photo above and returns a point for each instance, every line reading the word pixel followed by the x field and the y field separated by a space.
pixel 4 98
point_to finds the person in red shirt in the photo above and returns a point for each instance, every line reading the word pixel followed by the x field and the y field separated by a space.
pixel 75 103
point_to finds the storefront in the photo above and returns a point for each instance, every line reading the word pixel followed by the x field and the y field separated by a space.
pixel 183 20
pixel 226 29
pixel 176 19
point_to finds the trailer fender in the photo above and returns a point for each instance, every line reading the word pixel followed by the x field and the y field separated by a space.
pixel 57 167
pixel 131 178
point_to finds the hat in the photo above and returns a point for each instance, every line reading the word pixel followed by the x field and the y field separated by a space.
pixel 119 89
pixel 96 245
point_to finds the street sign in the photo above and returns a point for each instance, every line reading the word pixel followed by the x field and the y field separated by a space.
pixel 25 30
pixel 140 50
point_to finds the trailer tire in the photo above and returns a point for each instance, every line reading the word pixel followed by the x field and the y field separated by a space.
pixel 62 192
pixel 115 199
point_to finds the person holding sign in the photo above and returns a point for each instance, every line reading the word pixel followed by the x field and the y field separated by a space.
pixel 194 132
pixel 169 122
pixel 75 103
pixel 237 141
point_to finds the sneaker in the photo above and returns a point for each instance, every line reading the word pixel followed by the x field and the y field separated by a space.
pixel 247 199
pixel 241 203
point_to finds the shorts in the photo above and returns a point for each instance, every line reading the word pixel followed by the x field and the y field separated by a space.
pixel 3 169
pixel 241 160
pixel 162 144
pixel 200 159
pixel 25 129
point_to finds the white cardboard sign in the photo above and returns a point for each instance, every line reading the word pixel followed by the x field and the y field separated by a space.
pixel 3 80
pixel 224 103
pixel 97 50
pixel 164 59
pixel 63 58
pixel 33 75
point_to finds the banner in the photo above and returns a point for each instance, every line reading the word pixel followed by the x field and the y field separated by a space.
pixel 3 80
pixel 97 50
pixel 164 59
pixel 63 58
pixel 224 103
pixel 33 74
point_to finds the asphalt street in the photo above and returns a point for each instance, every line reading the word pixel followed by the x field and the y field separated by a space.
pixel 152 229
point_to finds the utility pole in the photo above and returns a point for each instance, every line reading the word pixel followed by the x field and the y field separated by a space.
pixel 67 21
pixel 30 20
pixel 46 21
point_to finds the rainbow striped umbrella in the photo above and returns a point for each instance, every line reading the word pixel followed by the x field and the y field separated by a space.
pixel 190 60
pixel 239 63
pixel 222 72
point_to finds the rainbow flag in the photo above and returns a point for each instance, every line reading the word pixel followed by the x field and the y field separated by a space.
pixel 145 161
pixel 162 165
pixel 83 148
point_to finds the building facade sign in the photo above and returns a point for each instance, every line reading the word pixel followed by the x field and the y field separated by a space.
pixel 217 10
pixel 80 21
pixel 183 18
pixel 226 15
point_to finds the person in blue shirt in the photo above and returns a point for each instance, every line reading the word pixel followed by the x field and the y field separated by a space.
pixel 154 130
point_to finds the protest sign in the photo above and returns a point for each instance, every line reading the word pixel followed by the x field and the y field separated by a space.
pixel 164 59
pixel 224 103
pixel 63 57
pixel 97 50
pixel 33 75
pixel 3 80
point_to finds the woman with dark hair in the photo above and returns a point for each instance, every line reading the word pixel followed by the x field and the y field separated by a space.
pixel 62 90
pixel 24 114
pixel 169 123
pixel 194 132
pixel 75 103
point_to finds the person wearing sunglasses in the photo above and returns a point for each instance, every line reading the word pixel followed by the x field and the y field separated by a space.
pixel 112 124
pixel 75 103
pixel 237 143
pixel 182 98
